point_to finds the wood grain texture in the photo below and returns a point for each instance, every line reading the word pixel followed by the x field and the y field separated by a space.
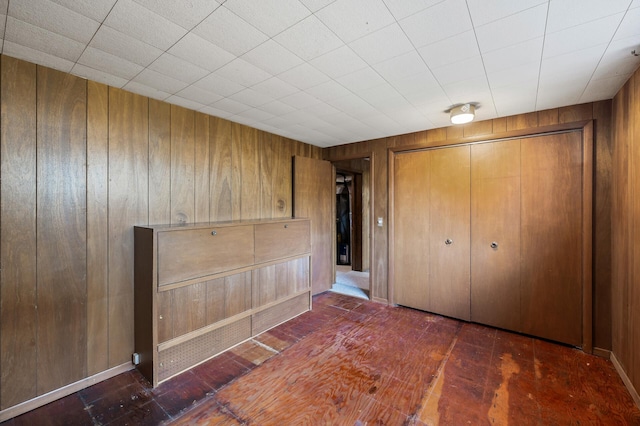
pixel 128 206
pixel 221 185
pixel 18 315
pixel 188 308
pixel 313 194
pixel 61 228
pixel 282 205
pixel 215 300
pixel 478 128
pixel 411 231
pixel 278 240
pixel 237 294
pixel 548 117
pixel 202 168
pixel 575 113
pixel 159 162
pixel 449 267
pixel 264 286
pixel 379 266
pixel 165 316
pixel 495 217
pixel 634 293
pixel 249 169
pixel 522 121
pixel 182 165
pixel 97 227
pixel 268 161
pixel 551 218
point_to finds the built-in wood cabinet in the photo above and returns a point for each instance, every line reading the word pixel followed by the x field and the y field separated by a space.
pixel 494 232
pixel 201 289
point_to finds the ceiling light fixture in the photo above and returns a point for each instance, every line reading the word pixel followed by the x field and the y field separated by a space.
pixel 462 114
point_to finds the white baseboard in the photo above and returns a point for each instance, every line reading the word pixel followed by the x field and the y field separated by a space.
pixel 48 397
pixel 627 382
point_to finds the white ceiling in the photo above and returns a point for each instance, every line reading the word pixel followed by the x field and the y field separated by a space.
pixel 329 72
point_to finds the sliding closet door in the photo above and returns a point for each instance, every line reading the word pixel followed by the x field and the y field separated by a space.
pixel 411 229
pixel 449 226
pixel 551 215
pixel 495 227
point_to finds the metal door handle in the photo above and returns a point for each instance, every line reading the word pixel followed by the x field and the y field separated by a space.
pixel 494 245
pixel 448 241
pixel 214 233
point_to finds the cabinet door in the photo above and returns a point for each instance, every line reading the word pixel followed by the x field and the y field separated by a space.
pixel 411 229
pixel 495 218
pixel 449 229
pixel 552 237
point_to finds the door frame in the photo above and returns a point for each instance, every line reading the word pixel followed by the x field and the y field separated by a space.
pixel 586 129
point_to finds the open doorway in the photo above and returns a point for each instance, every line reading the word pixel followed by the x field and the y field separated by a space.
pixel 353 220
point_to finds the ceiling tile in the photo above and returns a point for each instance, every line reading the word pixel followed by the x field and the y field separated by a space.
pixel 216 112
pixel 187 103
pixel 484 12
pixel 160 81
pixel 594 33
pixel 516 55
pixel 328 90
pixel 55 18
pixel 98 75
pixel 618 60
pixel 601 89
pixel 352 105
pixel 37 57
pixel 94 9
pixel 309 39
pixel 420 88
pixel 36 38
pixel 568 13
pixel 220 85
pixel 321 109
pixel 255 114
pixel 141 23
pixel 99 60
pixel 403 8
pixel 144 90
pixel 251 97
pixel 513 76
pixel 520 27
pixel 187 14
pixel 303 76
pixel 300 100
pixel 401 67
pixel 242 72
pixel 278 108
pixel 200 52
pixel 274 88
pixel 339 62
pixel 352 19
pixel 230 105
pixel 272 57
pixel 227 30
pixel 199 95
pixel 450 50
pixel 361 79
pixel 377 94
pixel 470 90
pixel 383 44
pixel 438 22
pixel 269 16
pixel 124 46
pixel 460 71
pixel 315 5
pixel 177 68
pixel 629 26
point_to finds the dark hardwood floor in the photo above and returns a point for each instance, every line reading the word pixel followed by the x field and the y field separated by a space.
pixel 354 362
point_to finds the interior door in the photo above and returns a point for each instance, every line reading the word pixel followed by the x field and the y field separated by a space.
pixel 551 206
pixel 449 228
pixel 313 195
pixel 495 227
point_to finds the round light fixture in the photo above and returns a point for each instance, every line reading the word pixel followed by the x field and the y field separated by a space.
pixel 462 114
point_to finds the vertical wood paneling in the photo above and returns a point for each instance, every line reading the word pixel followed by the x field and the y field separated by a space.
pixel 182 165
pixel 236 171
pixel 282 275
pixel 61 228
pixel 220 175
pixel 159 162
pixel 282 177
pixel 634 274
pixel 165 318
pixel 202 167
pixel 128 206
pixel 267 172
pixel 572 113
pixel 478 128
pixel 18 315
pixel 215 300
pixel 97 227
pixel 237 293
pixel 522 121
pixel 379 171
pixel 188 308
pixel 249 174
pixel 548 117
pixel 265 285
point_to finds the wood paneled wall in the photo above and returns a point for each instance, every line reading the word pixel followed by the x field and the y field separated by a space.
pixel 600 112
pixel 81 164
pixel 626 229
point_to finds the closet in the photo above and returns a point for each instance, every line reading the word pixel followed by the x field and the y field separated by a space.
pixel 492 232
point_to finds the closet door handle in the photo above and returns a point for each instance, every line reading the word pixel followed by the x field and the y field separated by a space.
pixel 448 241
pixel 494 245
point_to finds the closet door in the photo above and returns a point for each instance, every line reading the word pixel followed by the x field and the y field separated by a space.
pixel 449 240
pixel 411 229
pixel 495 230
pixel 551 214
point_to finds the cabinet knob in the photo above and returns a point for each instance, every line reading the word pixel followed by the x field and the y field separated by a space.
pixel 448 241
pixel 494 245
pixel 286 225
pixel 214 233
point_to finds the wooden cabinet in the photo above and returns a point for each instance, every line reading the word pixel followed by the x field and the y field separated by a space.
pixel 514 213
pixel 203 288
